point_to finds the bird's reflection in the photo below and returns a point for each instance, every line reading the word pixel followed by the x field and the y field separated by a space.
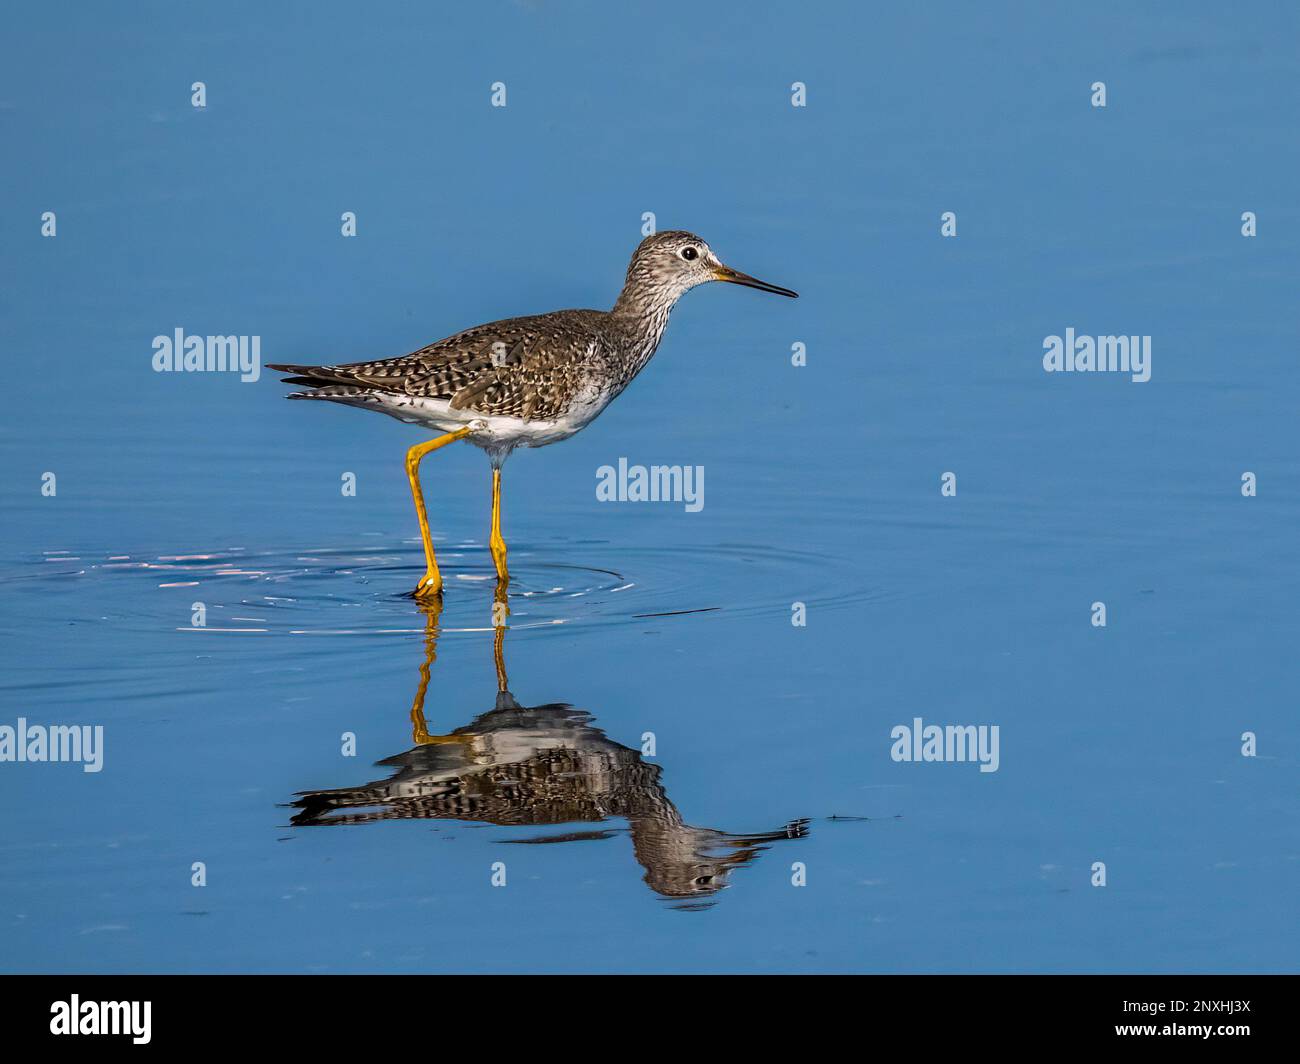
pixel 533 765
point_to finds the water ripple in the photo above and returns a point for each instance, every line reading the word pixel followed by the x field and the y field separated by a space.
pixel 346 591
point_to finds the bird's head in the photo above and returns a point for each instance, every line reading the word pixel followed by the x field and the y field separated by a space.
pixel 667 264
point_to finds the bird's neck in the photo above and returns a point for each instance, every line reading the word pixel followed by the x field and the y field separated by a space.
pixel 642 310
pixel 645 297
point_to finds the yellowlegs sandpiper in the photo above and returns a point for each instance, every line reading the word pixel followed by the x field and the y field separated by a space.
pixel 524 382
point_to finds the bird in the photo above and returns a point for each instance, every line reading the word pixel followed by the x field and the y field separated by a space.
pixel 523 382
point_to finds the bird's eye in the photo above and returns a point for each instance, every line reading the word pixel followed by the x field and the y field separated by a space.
pixel 690 254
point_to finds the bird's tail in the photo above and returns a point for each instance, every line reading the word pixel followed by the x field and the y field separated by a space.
pixel 325 382
pixel 313 375
pixel 338 393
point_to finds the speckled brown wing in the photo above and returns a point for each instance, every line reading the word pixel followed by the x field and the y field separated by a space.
pixel 530 368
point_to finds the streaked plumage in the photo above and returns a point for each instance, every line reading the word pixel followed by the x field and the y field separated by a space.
pixel 525 381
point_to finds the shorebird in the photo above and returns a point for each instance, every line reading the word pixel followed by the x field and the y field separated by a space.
pixel 524 382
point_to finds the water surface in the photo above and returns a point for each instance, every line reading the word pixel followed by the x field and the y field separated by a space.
pixel 653 751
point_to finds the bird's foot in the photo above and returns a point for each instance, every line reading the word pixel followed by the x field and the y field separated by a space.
pixel 497 546
pixel 429 587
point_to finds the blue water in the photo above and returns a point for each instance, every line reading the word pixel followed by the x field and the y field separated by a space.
pixel 1119 744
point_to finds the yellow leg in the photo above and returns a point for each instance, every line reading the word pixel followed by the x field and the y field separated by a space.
pixel 431 583
pixel 498 544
